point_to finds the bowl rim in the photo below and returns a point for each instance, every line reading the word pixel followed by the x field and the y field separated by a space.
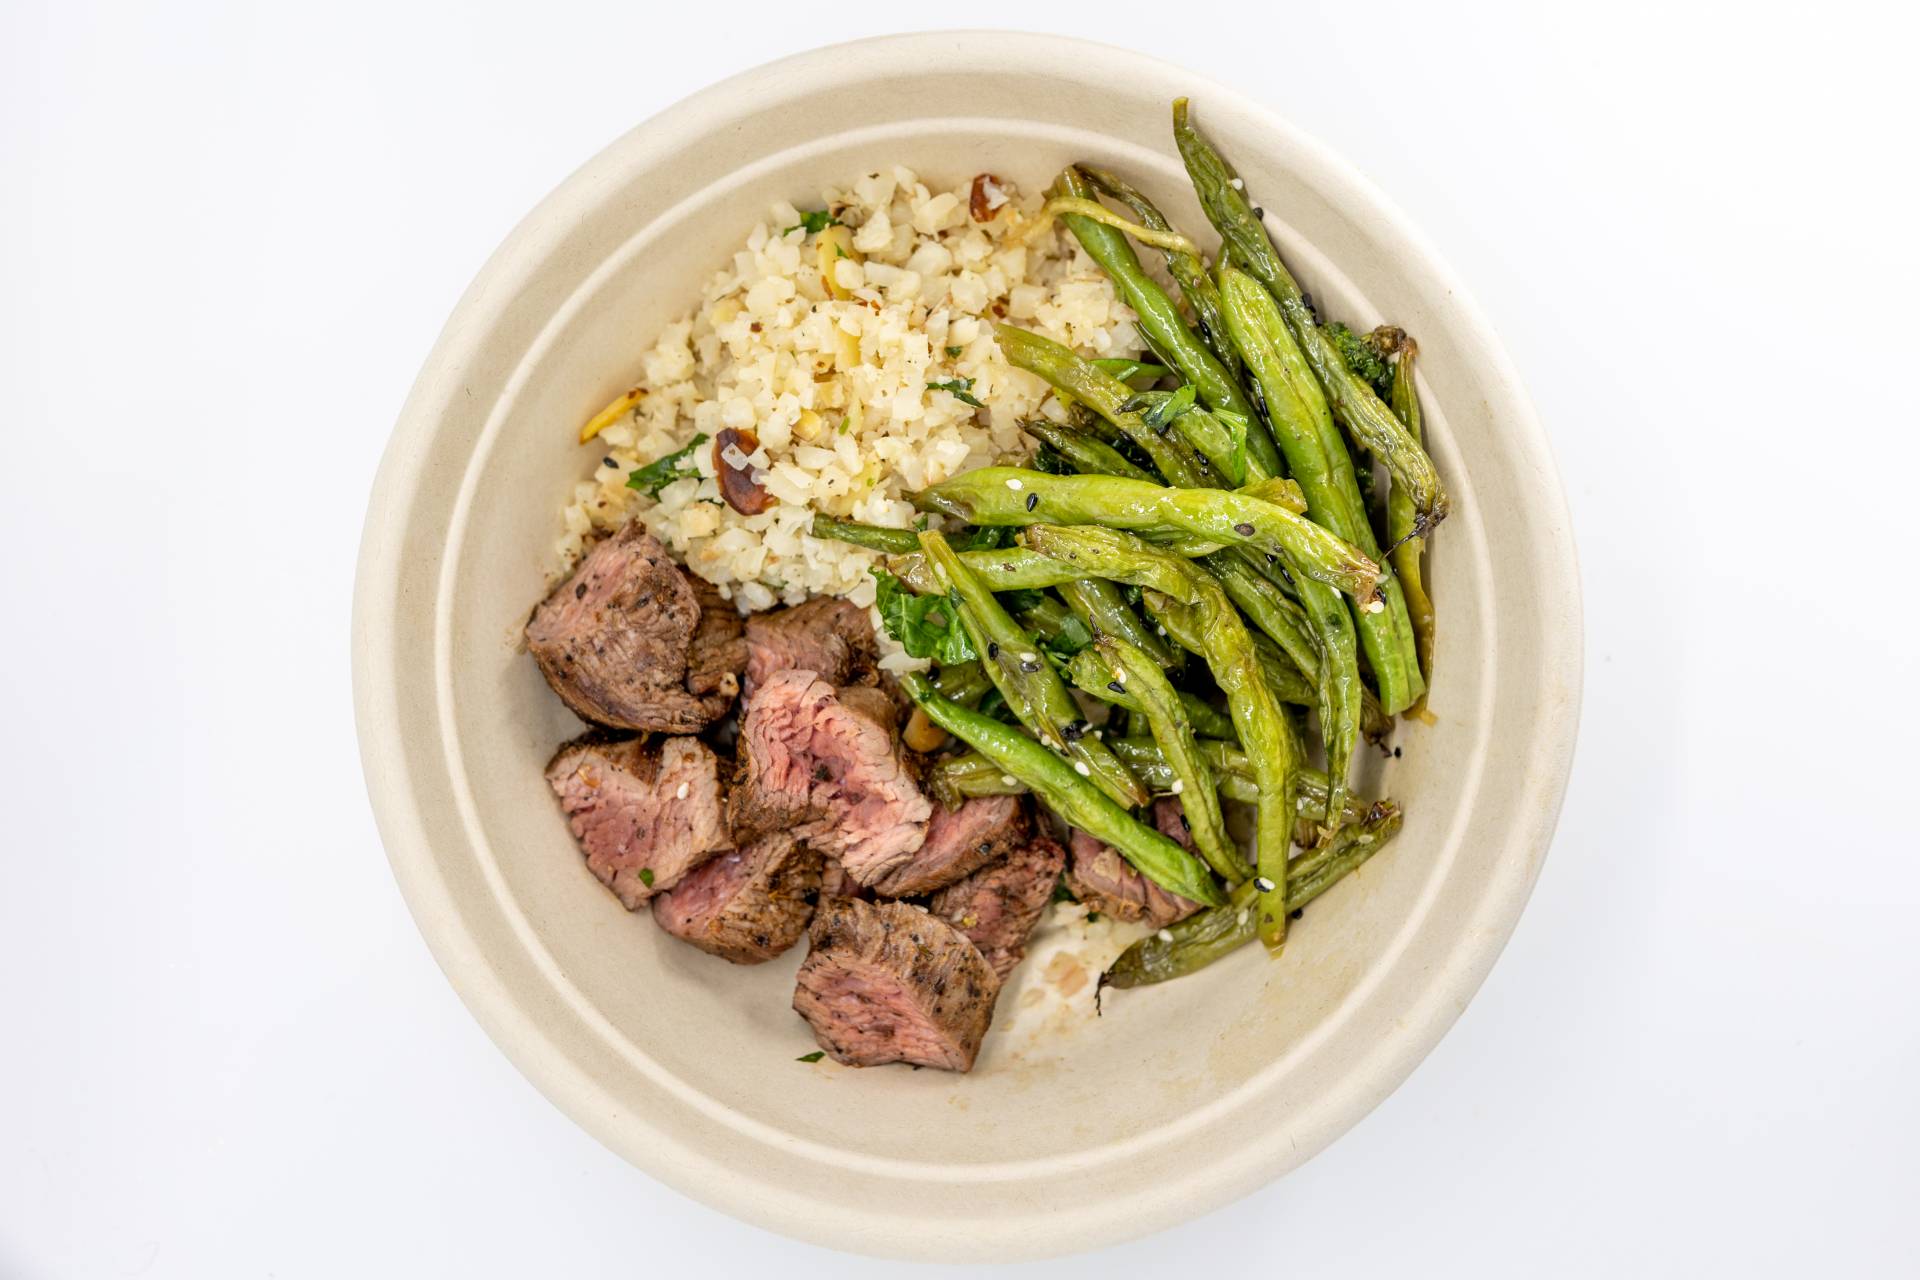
pixel 405 829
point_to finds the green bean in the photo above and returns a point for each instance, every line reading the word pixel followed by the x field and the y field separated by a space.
pixel 1370 421
pixel 1089 675
pixel 871 536
pixel 1069 794
pixel 1027 681
pixel 1288 682
pixel 1188 270
pixel 1199 940
pixel 1004 569
pixel 1406 543
pixel 1193 780
pixel 1202 619
pixel 964 682
pixel 1159 318
pixel 1100 605
pixel 1105 395
pixel 959 777
pixel 1221 440
pixel 1319 461
pixel 1212 628
pixel 1009 496
pixel 1083 453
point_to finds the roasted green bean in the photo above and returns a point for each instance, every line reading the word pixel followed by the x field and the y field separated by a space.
pixel 1199 940
pixel 1401 536
pixel 1010 496
pixel 1089 676
pixel 1193 781
pixel 1069 794
pixel 1106 395
pixel 871 536
pixel 1084 453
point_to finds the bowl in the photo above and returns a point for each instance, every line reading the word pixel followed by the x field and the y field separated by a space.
pixel 1077 1132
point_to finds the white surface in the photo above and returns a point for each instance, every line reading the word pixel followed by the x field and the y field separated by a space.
pixel 227 1053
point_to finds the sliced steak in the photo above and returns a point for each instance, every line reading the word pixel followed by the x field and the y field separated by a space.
pixel 886 982
pixel 1107 882
pixel 746 906
pixel 630 642
pixel 835 882
pixel 958 841
pixel 997 906
pixel 827 635
pixel 644 817
pixel 826 771
pixel 1171 821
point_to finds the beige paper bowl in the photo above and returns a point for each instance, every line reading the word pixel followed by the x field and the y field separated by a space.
pixel 1181 1097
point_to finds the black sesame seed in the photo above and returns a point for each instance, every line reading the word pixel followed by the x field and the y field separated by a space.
pixel 1033 500
pixel 608 462
pixel 1396 753
pixel 1244 530
pixel 1296 913
pixel 1184 824
pixel 993 649
pixel 1272 558
pixel 1074 730
pixel 1116 686
pixel 1258 212
pixel 986 846
pixel 1029 667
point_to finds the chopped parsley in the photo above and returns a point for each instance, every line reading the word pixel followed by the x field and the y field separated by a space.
pixel 1046 459
pixel 814 221
pixel 960 389
pixel 1161 413
pixel 953 353
pixel 661 472
pixel 815 1056
pixel 926 626
pixel 1364 357
pixel 1061 893
pixel 646 876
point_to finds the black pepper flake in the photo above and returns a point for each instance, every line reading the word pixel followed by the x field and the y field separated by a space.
pixel 993 649
pixel 579 590
pixel 1033 500
pixel 1116 686
pixel 1244 530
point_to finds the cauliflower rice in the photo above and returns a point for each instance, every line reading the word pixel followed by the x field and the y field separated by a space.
pixel 831 374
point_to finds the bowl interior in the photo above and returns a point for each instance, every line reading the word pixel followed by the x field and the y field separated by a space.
pixel 687 1063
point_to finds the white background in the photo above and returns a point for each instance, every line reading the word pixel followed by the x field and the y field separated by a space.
pixel 227 239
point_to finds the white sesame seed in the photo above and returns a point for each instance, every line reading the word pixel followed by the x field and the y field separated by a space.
pixel 1099 733
pixel 1263 884
pixel 1375 606
pixel 1029 657
pixel 1008 780
pixel 1165 935
pixel 1178 786
pixel 1237 185
pixel 680 792
pixel 1080 767
pixel 1015 485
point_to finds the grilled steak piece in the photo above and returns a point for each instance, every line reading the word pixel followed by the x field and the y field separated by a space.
pixel 644 817
pixel 958 841
pixel 997 906
pixel 886 982
pixel 1107 882
pixel 746 906
pixel 827 635
pixel 630 642
pixel 835 882
pixel 813 765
